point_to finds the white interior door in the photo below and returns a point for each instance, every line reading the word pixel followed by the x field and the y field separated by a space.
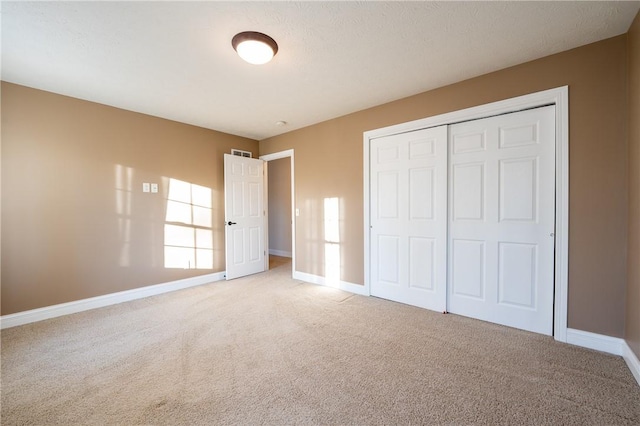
pixel 408 198
pixel 244 216
pixel 501 219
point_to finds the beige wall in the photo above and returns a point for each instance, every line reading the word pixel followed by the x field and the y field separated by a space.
pixel 75 222
pixel 329 163
pixel 280 205
pixel 632 333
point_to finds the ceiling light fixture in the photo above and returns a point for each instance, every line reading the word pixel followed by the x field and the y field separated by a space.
pixel 255 48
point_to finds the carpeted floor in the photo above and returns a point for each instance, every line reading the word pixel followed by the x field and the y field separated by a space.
pixel 270 350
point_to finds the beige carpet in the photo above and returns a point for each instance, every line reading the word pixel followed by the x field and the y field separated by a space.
pixel 269 350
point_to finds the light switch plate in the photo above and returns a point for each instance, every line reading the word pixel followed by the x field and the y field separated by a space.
pixel 145 187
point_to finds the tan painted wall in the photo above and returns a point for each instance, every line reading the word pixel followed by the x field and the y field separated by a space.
pixel 329 163
pixel 632 333
pixel 280 205
pixel 75 221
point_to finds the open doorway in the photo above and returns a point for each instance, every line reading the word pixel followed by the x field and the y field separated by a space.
pixel 280 194
pixel 279 190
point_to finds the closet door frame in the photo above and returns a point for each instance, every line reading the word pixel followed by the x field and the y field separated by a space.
pixel 558 97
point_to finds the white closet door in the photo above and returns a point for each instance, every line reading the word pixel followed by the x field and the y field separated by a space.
pixel 408 175
pixel 501 219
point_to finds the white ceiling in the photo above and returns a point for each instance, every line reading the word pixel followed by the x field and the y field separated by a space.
pixel 175 60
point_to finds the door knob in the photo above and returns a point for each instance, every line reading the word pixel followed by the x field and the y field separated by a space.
pixel 231 223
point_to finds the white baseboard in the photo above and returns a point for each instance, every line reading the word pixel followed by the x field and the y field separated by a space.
pixel 599 342
pixel 608 344
pixel 26 317
pixel 342 285
pixel 632 361
pixel 282 253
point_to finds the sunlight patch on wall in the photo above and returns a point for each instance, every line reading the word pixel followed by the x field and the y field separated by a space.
pixel 124 194
pixel 188 237
pixel 332 242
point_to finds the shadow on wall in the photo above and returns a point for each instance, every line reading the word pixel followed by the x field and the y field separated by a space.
pixel 188 233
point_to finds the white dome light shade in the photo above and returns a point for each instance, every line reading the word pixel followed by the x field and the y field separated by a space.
pixel 255 48
pixel 255 52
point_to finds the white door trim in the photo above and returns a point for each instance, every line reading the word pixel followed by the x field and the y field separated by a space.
pixel 558 96
pixel 277 156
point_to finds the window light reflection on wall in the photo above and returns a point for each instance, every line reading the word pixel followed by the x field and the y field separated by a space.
pixel 123 203
pixel 332 264
pixel 188 237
